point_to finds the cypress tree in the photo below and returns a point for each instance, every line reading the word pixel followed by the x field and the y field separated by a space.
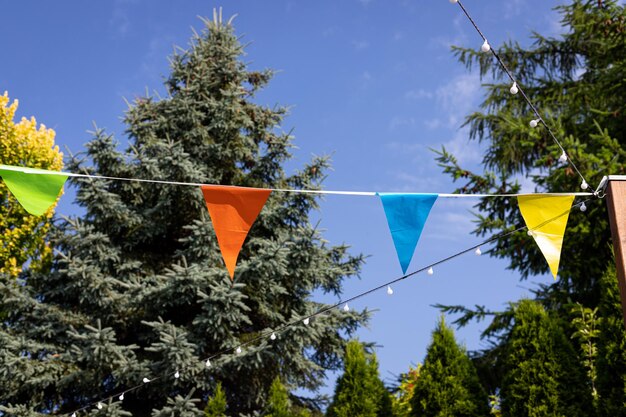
pixel 611 362
pixel 216 406
pixel 542 373
pixel 448 384
pixel 359 392
pixel 138 288
pixel 278 403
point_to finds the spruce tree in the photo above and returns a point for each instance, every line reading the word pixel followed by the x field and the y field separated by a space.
pixel 611 359
pixel 448 385
pixel 573 80
pixel 542 373
pixel 359 392
pixel 138 288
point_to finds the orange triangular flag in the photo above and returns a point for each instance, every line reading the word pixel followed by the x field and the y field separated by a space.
pixel 232 211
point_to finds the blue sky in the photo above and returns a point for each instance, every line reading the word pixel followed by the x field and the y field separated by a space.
pixel 371 82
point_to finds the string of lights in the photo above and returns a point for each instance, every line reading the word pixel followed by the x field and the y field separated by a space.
pixel 344 304
pixel 515 88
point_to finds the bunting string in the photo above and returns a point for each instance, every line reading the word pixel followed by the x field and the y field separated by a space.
pixel 305 320
pixel 516 87
pixel 27 170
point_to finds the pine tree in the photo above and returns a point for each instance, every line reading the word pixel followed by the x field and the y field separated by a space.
pixel 542 373
pixel 139 289
pixel 359 392
pixel 448 384
pixel 611 359
pixel 23 236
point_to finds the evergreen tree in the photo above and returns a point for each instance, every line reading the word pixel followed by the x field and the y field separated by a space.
pixel 23 236
pixel 359 391
pixel 448 385
pixel 573 80
pixel 404 393
pixel 611 362
pixel 278 403
pixel 542 373
pixel 216 406
pixel 139 289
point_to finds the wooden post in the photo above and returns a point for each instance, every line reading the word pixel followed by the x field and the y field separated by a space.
pixel 616 200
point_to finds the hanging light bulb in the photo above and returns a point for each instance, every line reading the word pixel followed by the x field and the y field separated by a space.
pixel 478 252
pixel 306 321
pixel 177 375
pixel 273 336
pixel 563 157
pixel 533 123
pixel 208 363
pixel 454 1
pixel 529 232
pixel 389 290
pixel 99 405
pixel 485 47
pixel 238 349
pixel 121 397
pixel 430 271
pixel 584 185
pixel 74 415
pixel 145 380
pixel 513 90
pixel 583 207
pixel 346 308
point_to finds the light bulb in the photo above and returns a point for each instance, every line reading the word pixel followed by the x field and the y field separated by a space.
pixel 306 321
pixel 177 375
pixel 238 349
pixel 529 232
pixel 563 157
pixel 145 380
pixel 485 47
pixel 389 290
pixel 430 271
pixel 273 336
pixel 346 308
pixel 478 252
pixel 583 207
pixel 454 1
pixel 99 405
pixel 208 363
pixel 584 185
pixel 73 414
pixel 514 89
pixel 533 123
pixel 121 397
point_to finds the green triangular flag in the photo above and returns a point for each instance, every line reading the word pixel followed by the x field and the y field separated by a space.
pixel 35 189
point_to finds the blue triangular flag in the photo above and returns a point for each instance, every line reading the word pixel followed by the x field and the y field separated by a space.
pixel 406 216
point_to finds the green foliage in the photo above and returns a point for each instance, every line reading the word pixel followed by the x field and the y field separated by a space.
pixel 278 403
pixel 611 361
pixel 138 287
pixel 216 406
pixel 448 385
pixel 542 374
pixel 402 398
pixel 359 391
pixel 585 323
pixel 573 79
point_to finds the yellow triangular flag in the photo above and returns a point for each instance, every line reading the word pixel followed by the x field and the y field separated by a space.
pixel 546 217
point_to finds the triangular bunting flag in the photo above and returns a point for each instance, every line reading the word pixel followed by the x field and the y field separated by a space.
pixel 232 211
pixel 35 189
pixel 546 218
pixel 406 216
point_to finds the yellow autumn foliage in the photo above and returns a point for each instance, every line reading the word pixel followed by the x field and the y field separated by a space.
pixel 23 236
